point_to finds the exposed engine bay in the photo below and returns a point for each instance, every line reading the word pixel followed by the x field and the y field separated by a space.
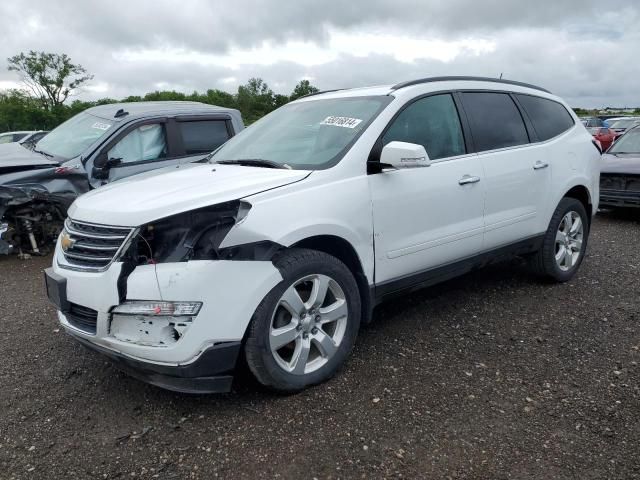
pixel 31 219
pixel 35 194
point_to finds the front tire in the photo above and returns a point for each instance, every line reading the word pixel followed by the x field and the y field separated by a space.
pixel 304 329
pixel 564 244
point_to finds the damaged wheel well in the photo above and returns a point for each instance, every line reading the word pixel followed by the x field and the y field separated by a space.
pixel 341 249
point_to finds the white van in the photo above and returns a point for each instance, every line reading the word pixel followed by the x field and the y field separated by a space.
pixel 279 247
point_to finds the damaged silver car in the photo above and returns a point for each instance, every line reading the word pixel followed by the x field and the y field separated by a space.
pixel 98 146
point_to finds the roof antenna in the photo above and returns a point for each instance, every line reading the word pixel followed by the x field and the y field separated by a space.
pixel 121 113
pixel 500 75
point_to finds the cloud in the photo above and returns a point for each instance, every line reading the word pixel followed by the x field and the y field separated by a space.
pixel 577 48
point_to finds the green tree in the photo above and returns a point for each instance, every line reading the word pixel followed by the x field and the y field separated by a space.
pixel 303 88
pixel 255 99
pixel 49 77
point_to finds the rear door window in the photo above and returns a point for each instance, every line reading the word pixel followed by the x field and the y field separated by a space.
pixel 495 120
pixel 203 136
pixel 549 118
pixel 432 122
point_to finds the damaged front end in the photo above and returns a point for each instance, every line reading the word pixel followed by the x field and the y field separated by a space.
pixel 31 218
pixel 33 209
pixel 619 190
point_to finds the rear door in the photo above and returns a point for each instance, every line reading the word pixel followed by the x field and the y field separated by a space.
pixel 517 176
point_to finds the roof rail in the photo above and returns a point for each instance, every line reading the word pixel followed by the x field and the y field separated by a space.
pixel 320 92
pixel 477 79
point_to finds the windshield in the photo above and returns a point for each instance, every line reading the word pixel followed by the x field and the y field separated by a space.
pixel 626 123
pixel 72 137
pixel 628 143
pixel 310 135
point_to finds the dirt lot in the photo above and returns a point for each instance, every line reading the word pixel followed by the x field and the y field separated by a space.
pixel 492 375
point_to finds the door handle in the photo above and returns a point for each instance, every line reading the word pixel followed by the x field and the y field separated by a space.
pixel 468 179
pixel 540 165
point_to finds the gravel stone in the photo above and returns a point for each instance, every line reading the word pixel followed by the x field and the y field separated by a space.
pixel 492 375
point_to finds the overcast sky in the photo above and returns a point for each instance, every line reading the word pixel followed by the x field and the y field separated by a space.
pixel 586 51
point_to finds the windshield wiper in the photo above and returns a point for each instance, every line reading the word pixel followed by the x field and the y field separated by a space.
pixel 43 153
pixel 254 162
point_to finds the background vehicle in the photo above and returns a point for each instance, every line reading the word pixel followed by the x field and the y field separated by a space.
pixel 27 137
pixel 280 248
pixel 592 123
pixel 620 172
pixel 605 136
pixel 621 125
pixel 30 140
pixel 98 146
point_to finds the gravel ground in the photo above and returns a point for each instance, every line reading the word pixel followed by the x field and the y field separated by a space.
pixel 492 375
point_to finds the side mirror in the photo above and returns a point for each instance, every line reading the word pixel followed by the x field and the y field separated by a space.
pixel 101 160
pixel 101 166
pixel 400 155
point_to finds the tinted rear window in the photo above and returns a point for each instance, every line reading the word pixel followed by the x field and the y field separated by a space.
pixel 549 118
pixel 495 120
pixel 203 136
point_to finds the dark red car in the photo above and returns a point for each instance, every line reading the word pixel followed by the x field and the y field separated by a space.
pixel 605 136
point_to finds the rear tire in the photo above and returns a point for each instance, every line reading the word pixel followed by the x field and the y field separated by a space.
pixel 304 329
pixel 564 244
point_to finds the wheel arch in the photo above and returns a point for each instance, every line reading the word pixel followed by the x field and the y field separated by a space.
pixel 344 251
pixel 582 194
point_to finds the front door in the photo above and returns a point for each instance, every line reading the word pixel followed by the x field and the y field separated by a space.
pixel 143 148
pixel 431 216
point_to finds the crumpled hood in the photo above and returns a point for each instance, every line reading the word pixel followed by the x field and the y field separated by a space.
pixel 14 156
pixel 147 197
pixel 622 163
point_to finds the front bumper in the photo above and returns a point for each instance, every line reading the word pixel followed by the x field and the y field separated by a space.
pixel 210 373
pixel 230 292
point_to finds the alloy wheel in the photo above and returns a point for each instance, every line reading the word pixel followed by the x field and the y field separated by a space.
pixel 308 324
pixel 569 238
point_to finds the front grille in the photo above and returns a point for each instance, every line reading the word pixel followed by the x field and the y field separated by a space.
pixel 82 318
pixel 91 247
pixel 620 182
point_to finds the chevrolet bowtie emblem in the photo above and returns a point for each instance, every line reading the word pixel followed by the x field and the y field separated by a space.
pixel 66 242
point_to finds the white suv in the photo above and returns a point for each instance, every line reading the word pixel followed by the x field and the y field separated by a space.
pixel 280 245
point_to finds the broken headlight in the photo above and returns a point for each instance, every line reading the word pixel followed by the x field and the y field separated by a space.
pixel 193 235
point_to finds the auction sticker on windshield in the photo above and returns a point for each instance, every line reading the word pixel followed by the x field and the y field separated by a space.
pixel 346 122
pixel 101 126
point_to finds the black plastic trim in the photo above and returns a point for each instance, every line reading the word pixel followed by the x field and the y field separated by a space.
pixel 464 78
pixel 256 251
pixel 427 278
pixel 528 124
pixel 210 373
pixel 619 198
pixel 56 289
